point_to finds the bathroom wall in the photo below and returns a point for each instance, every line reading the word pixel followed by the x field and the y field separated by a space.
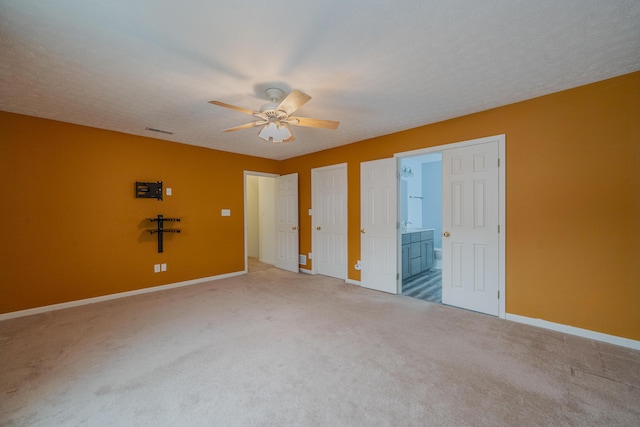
pixel 404 201
pixel 414 190
pixel 432 193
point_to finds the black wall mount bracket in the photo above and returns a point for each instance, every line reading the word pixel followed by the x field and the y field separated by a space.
pixel 149 190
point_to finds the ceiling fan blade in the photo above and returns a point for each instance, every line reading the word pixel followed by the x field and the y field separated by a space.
pixel 313 123
pixel 293 101
pixel 233 107
pixel 245 126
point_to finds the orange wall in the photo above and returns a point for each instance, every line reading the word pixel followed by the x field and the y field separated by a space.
pixel 573 200
pixel 71 227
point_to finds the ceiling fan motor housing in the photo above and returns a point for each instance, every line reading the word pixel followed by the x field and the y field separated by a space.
pixel 274 94
pixel 269 110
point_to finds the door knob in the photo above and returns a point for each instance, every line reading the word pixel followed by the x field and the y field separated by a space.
pixel 363 231
pixel 446 234
pixel 318 228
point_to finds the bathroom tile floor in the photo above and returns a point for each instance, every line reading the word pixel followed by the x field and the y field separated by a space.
pixel 427 286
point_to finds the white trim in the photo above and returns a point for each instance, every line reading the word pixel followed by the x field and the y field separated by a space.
pixel 244 186
pixel 53 307
pixel 502 213
pixel 572 330
pixel 447 146
pixel 314 205
pixel 398 227
pixel 307 271
pixel 353 282
pixel 501 139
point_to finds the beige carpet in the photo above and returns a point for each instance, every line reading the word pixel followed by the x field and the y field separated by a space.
pixel 276 348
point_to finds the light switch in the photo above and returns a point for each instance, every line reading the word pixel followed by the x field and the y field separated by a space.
pixel 226 212
pixel 168 191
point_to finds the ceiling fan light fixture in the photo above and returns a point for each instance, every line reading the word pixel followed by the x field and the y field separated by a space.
pixel 272 132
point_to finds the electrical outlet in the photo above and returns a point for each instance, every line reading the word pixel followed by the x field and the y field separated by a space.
pixel 163 267
pixel 156 268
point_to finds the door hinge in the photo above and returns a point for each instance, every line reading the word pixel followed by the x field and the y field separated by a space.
pixel 498 162
pixel 397 276
pixel 498 228
pixel 498 294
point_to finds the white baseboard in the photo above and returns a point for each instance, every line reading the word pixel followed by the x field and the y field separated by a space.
pixel 353 282
pixel 306 271
pixel 572 330
pixel 44 309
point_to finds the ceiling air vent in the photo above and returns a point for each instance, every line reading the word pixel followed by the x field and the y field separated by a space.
pixel 166 132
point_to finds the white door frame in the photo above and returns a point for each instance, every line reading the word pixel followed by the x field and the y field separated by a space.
pixel 314 204
pixel 246 221
pixel 501 139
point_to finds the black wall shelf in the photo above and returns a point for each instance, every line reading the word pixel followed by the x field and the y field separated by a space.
pixel 160 230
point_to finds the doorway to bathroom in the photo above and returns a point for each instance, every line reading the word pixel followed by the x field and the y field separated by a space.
pixel 466 240
pixel 421 226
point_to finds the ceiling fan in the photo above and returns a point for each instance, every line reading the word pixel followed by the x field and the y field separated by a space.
pixel 276 116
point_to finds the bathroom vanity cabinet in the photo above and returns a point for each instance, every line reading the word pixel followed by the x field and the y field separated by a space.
pixel 417 252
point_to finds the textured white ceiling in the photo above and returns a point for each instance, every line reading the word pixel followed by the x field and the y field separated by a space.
pixel 377 66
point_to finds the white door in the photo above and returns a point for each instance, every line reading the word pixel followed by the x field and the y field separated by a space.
pixel 378 225
pixel 330 220
pixel 470 218
pixel 287 222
